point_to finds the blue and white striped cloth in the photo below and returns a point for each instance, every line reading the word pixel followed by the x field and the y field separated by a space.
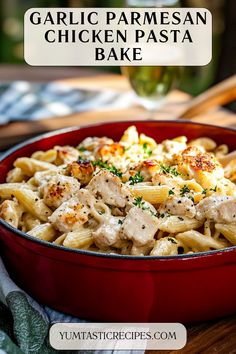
pixel 22 100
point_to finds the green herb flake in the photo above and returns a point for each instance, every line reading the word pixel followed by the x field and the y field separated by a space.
pixel 82 148
pixel 184 190
pixel 171 192
pixel 204 191
pixel 138 201
pixel 169 170
pixel 120 222
pixel 214 189
pixel 110 168
pixel 171 240
pixel 115 171
pixel 147 150
pixel 137 178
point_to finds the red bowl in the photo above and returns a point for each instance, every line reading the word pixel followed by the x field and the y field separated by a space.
pixel 117 288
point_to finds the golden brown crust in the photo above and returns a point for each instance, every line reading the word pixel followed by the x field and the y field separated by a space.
pixel 108 150
pixel 82 170
pixel 198 160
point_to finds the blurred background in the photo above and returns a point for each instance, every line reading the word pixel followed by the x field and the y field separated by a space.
pixel 194 80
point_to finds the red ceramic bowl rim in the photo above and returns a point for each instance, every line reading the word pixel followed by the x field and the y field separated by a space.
pixel 99 254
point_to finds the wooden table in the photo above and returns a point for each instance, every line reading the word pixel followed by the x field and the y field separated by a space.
pixel 208 338
pixel 175 103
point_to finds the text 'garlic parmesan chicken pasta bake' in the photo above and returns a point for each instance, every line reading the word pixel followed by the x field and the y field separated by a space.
pixel 137 196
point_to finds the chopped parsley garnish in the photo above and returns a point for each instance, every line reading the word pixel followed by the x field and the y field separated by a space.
pixel 138 201
pixel 137 178
pixel 147 150
pixel 110 168
pixel 180 218
pixel 100 163
pixel 120 222
pixel 82 148
pixel 171 192
pixel 115 171
pixel 204 191
pixel 168 169
pixel 171 240
pixel 214 189
pixel 184 190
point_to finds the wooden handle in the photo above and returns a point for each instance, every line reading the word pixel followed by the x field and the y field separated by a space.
pixel 220 94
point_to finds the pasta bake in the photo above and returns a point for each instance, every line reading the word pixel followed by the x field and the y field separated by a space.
pixel 136 196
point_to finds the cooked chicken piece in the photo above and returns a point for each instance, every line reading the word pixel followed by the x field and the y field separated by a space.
pixel 82 170
pixel 91 143
pixel 217 208
pixel 166 246
pixel 108 232
pixel 140 225
pixel 73 213
pixel 70 216
pixel 173 146
pixel 181 206
pixel 147 169
pixel 199 165
pixel 11 212
pixel 65 154
pixel 106 151
pixel 165 179
pixel 199 160
pixel 130 136
pixel 110 188
pixel 59 189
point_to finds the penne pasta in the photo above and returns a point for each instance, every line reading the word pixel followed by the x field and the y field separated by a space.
pixel 29 165
pixel 6 189
pixel 229 232
pixel 59 240
pixel 175 224
pixel 47 156
pixel 44 232
pixel 207 143
pixel 32 203
pixel 136 196
pixel 79 239
pixel 152 194
pixel 11 212
pixel 197 241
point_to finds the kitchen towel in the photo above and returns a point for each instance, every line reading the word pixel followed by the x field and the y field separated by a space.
pixel 25 326
pixel 22 100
